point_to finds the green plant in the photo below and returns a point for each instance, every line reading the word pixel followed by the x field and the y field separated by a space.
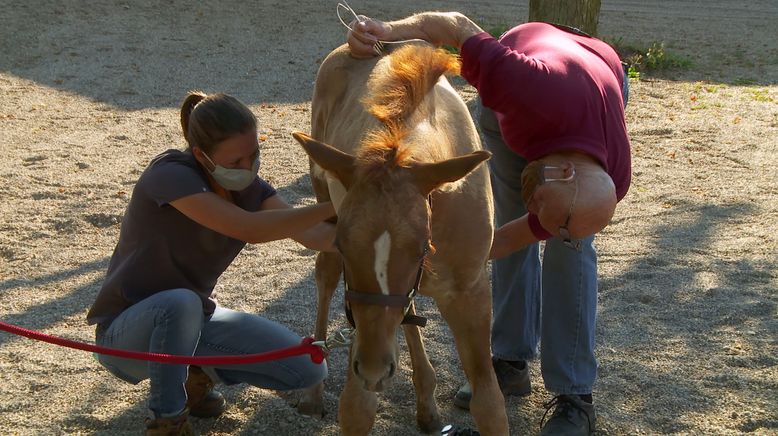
pixel 641 59
pixel 761 95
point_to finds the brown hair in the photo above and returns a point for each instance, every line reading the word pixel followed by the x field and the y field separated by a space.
pixel 207 120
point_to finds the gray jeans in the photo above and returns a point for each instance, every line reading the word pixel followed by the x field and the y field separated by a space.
pixel 172 322
pixel 553 304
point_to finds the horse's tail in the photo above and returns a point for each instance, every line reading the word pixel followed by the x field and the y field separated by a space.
pixel 413 71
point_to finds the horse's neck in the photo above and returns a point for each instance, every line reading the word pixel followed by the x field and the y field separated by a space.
pixel 428 126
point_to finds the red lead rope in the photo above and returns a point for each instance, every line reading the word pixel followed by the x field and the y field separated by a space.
pixel 305 347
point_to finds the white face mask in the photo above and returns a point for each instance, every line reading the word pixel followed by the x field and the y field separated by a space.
pixel 234 179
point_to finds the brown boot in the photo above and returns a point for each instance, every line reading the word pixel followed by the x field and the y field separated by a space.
pixel 203 400
pixel 174 426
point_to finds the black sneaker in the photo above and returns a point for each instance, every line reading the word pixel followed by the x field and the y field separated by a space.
pixel 513 378
pixel 572 416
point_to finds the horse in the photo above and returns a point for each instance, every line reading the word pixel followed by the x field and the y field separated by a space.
pixel 394 148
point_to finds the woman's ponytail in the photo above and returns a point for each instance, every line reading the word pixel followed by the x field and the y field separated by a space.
pixel 187 106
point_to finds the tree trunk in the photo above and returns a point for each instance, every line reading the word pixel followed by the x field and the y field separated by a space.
pixel 582 14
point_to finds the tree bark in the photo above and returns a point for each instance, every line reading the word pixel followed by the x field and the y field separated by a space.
pixel 582 14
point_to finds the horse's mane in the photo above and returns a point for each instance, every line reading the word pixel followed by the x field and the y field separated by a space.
pixel 395 95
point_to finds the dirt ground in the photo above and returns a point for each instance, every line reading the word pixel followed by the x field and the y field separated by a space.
pixel 89 92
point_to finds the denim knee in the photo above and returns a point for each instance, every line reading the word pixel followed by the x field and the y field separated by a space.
pixel 180 301
pixel 312 374
pixel 181 309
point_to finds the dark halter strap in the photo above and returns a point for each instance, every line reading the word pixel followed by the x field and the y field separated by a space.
pixel 369 298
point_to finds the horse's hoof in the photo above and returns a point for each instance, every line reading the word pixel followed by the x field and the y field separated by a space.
pixel 314 409
pixel 429 424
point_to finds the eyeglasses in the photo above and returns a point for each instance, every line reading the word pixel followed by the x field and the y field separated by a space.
pixel 564 231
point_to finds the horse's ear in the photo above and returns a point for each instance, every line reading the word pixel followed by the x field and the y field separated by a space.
pixel 340 164
pixel 431 175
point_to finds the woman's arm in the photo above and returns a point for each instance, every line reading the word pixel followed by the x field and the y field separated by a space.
pixel 511 237
pixel 218 214
pixel 437 28
pixel 320 237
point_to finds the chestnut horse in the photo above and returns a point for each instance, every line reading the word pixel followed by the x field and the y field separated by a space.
pixel 397 152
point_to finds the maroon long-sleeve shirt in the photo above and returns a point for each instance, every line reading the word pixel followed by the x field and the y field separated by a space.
pixel 553 90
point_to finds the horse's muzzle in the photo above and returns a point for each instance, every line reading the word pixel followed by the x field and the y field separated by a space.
pixel 375 377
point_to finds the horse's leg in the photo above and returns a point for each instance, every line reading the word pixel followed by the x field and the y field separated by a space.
pixel 424 380
pixel 469 315
pixel 357 407
pixel 328 269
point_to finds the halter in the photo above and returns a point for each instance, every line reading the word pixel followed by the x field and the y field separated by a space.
pixel 369 298
pixel 373 299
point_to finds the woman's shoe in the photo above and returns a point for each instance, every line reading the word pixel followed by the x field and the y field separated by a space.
pixel 202 399
pixel 174 426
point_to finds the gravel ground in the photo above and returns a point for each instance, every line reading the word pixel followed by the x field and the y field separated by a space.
pixel 687 331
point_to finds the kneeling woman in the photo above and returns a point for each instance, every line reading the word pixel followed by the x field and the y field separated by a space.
pixel 190 214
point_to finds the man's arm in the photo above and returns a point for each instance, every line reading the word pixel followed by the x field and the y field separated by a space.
pixel 511 237
pixel 437 28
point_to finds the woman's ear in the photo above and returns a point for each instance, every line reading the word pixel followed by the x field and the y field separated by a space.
pixel 199 155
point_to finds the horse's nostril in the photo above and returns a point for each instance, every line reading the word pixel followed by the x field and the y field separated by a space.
pixel 392 368
pixel 356 367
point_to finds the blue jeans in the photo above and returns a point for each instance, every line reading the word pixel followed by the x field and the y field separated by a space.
pixel 563 289
pixel 172 322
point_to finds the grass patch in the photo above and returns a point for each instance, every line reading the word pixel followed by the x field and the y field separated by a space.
pixel 761 95
pixel 643 59
pixel 707 87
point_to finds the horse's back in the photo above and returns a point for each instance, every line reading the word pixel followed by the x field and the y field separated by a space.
pixel 338 117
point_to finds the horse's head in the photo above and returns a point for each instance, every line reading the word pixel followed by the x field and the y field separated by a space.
pixel 383 235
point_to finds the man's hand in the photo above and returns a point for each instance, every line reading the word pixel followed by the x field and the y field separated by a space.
pixel 365 34
pixel 511 237
pixel 437 28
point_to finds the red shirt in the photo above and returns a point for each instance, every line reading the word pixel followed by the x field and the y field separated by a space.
pixel 552 91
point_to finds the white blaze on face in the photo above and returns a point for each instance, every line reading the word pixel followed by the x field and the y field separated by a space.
pixel 382 245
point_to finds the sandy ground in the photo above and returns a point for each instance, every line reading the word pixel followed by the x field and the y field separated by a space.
pixel 89 92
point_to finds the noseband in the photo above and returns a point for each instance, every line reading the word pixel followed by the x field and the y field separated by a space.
pixel 404 301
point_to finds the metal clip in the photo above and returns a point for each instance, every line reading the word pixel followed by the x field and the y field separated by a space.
pixel 341 338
